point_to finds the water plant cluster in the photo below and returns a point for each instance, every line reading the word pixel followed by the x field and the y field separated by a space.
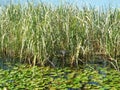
pixel 86 42
pixel 59 36
pixel 45 78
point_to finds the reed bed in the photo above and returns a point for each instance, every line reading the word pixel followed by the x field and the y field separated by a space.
pixel 59 36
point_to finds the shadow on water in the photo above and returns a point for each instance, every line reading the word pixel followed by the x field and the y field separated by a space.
pixel 7 63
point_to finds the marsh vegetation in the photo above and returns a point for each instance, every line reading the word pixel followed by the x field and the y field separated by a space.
pixel 59 37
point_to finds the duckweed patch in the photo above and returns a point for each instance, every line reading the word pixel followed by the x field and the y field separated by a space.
pixel 46 78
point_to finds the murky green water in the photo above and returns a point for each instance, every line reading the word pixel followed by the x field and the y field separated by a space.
pixel 7 63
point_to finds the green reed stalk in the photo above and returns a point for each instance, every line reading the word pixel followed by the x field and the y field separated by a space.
pixel 37 34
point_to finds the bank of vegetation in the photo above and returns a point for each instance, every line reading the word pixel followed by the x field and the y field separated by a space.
pixel 59 36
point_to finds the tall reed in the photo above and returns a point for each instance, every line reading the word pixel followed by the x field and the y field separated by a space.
pixel 37 33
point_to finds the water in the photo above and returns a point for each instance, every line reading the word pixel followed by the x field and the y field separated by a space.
pixel 7 63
